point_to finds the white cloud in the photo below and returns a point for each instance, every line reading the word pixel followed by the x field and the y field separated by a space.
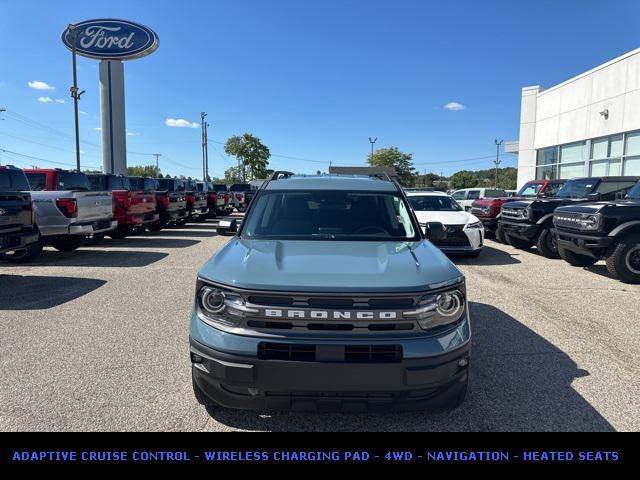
pixel 45 99
pixel 38 85
pixel 180 123
pixel 83 113
pixel 132 134
pixel 59 100
pixel 97 129
pixel 454 106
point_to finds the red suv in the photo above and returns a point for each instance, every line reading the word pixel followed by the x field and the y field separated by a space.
pixel 488 209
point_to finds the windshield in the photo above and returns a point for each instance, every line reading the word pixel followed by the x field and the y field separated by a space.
pixel 73 181
pixel 578 188
pixel 634 193
pixel 240 187
pixel 333 215
pixel 171 184
pixel 530 190
pixel 434 203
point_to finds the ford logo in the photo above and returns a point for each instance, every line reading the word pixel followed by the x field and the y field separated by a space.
pixel 110 39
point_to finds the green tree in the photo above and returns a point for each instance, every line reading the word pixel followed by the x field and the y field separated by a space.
pixel 144 171
pixel 233 175
pixel 393 157
pixel 252 155
pixel 463 179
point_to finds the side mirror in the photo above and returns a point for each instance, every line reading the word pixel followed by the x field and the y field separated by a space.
pixel 435 231
pixel 594 197
pixel 227 226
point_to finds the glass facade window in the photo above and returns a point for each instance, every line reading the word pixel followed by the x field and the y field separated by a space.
pixel 607 156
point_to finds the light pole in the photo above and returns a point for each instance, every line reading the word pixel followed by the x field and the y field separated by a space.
pixel 372 141
pixel 204 158
pixel 206 151
pixel 497 162
pixel 74 91
pixel 157 155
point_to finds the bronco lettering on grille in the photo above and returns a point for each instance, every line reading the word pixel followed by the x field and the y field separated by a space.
pixel 325 314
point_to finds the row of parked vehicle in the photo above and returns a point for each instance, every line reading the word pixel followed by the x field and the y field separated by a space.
pixel 66 209
pixel 581 220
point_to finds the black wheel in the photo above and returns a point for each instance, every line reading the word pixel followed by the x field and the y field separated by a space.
pixel 575 259
pixel 26 254
pixel 155 226
pixel 518 243
pixel 119 232
pixel 624 261
pixel 93 239
pixel 67 244
pixel 500 236
pixel 547 245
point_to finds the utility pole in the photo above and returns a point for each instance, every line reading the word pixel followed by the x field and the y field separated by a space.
pixel 157 155
pixel 74 92
pixel 2 110
pixel 206 151
pixel 204 161
pixel 372 141
pixel 497 162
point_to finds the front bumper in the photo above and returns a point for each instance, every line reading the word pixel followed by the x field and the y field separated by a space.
pixel 524 231
pixel 432 372
pixel 17 240
pixel 490 224
pixel 589 245
pixel 89 228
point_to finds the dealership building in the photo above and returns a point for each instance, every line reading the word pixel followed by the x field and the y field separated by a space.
pixel 587 125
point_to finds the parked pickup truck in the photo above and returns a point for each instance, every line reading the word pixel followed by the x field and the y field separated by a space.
pixel 330 297
pixel 197 205
pixel 488 209
pixel 172 203
pixel 17 229
pixel 220 202
pixel 610 230
pixel 66 210
pixel 529 222
pixel 133 208
pixel 241 195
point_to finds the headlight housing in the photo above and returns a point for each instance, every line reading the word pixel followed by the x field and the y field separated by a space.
pixel 590 222
pixel 439 309
pixel 219 306
pixel 474 226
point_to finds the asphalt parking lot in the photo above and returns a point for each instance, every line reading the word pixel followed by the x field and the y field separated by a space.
pixel 97 340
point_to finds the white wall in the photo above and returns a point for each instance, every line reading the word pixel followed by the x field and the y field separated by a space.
pixel 570 112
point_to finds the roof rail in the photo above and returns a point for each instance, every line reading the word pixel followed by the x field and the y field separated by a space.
pixel 381 175
pixel 276 176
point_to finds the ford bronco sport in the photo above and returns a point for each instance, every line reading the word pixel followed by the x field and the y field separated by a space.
pixel 611 230
pixel 330 297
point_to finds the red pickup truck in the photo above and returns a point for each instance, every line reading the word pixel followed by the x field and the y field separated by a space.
pixel 133 206
pixel 488 209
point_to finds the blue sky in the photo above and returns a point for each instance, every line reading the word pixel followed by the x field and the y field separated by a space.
pixel 312 79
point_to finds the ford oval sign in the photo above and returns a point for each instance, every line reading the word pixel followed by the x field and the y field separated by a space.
pixel 110 39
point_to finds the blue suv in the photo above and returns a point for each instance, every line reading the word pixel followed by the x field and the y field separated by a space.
pixel 329 297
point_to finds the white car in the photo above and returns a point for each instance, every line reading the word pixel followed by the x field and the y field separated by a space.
pixel 467 196
pixel 465 232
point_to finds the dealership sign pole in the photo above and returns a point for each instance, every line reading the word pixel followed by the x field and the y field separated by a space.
pixel 111 41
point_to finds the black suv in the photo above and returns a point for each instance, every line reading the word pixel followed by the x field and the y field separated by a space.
pixel 529 222
pixel 611 230
pixel 17 230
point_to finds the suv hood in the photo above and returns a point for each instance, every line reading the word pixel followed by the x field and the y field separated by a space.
pixel 595 207
pixel 446 218
pixel 330 266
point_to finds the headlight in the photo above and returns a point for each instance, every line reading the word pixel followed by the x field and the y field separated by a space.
pixel 439 309
pixel 590 222
pixel 476 225
pixel 220 306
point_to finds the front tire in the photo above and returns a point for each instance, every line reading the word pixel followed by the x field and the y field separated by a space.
pixel 546 244
pixel 624 261
pixel 26 254
pixel 67 244
pixel 518 243
pixel 500 236
pixel 576 259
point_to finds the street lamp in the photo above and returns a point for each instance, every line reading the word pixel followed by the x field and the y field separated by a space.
pixel 75 94
pixel 372 141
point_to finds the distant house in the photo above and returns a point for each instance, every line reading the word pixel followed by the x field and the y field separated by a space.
pixel 364 171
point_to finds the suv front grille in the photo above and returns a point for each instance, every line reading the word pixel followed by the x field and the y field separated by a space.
pixel 568 220
pixel 330 353
pixel 514 213
pixel 455 237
